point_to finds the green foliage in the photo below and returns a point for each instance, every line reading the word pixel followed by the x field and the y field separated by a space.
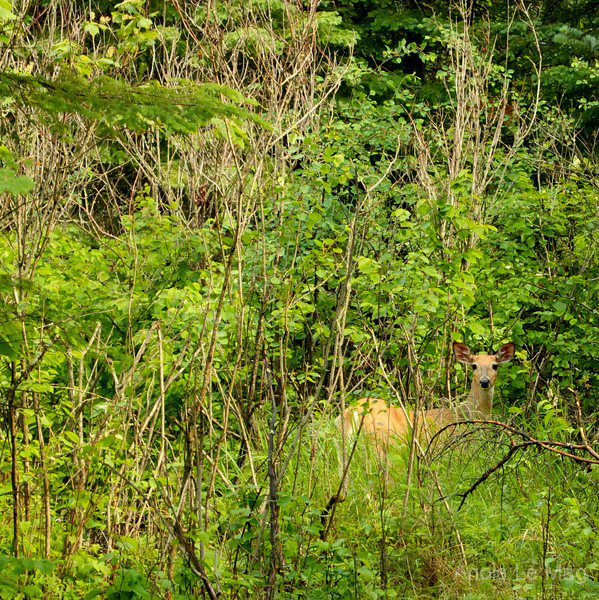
pixel 10 181
pixel 114 104
pixel 24 577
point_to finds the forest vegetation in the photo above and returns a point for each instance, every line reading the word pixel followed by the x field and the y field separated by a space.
pixel 224 222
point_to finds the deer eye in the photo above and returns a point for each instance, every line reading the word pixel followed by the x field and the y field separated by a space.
pixel 474 367
pixel 494 366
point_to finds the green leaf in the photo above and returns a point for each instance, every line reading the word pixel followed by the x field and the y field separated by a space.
pixel 92 29
pixel 7 349
pixel 11 183
pixel 41 387
pixel 560 307
pixel 6 13
pixel 476 327
pixel 44 566
pixel 71 436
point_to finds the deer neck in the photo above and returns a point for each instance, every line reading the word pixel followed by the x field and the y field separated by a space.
pixel 481 399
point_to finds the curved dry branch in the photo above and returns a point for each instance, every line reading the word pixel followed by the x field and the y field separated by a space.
pixel 565 449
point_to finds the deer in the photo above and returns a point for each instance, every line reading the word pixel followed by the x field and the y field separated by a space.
pixel 385 424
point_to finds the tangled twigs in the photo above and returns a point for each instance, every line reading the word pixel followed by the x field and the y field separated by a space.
pixel 513 449
pixel 581 429
pixel 328 514
pixel 175 529
pixel 565 449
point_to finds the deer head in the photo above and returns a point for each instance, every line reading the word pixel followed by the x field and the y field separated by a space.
pixel 484 366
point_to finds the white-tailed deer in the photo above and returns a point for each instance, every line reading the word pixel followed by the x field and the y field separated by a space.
pixel 384 424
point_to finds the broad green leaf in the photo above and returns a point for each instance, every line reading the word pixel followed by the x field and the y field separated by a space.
pixel 6 13
pixel 92 29
pixel 560 308
pixel 8 350
pixel 14 184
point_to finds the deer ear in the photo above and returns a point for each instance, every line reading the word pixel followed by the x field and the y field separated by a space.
pixel 505 353
pixel 462 353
